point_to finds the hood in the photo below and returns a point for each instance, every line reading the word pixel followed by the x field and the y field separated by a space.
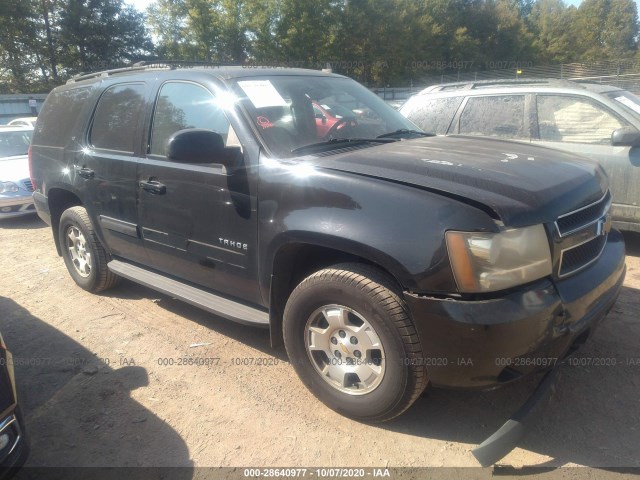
pixel 13 169
pixel 517 183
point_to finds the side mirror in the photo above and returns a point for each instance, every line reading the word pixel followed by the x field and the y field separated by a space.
pixel 625 137
pixel 198 145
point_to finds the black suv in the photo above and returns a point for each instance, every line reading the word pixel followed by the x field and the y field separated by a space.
pixel 386 259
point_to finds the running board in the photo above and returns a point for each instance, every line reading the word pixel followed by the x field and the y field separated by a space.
pixel 207 301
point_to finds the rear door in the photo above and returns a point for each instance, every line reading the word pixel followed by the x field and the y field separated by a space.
pixel 584 126
pixel 198 220
pixel 504 116
pixel 106 168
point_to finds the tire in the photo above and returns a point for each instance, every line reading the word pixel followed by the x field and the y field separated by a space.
pixel 85 257
pixel 363 302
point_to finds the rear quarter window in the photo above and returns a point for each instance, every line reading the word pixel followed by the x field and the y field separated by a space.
pixel 432 115
pixel 59 115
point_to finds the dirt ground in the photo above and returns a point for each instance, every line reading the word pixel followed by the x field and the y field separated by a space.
pixel 135 378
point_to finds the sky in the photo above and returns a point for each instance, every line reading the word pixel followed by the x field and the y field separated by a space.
pixel 139 4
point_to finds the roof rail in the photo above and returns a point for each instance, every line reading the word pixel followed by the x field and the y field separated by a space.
pixel 142 65
pixel 501 82
pixel 114 71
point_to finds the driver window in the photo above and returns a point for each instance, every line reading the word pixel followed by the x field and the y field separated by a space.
pixel 183 105
pixel 574 120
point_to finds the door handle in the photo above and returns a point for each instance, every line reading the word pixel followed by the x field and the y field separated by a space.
pixel 85 172
pixel 154 187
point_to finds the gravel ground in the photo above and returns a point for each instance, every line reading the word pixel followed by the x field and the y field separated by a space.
pixel 134 378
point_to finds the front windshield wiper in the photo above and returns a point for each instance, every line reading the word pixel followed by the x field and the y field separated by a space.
pixel 405 131
pixel 339 141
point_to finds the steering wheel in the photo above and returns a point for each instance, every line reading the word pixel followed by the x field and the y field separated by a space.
pixel 341 123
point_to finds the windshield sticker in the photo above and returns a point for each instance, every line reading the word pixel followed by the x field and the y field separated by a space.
pixel 629 103
pixel 262 93
pixel 264 122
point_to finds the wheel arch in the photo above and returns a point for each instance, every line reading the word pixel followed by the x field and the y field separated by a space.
pixel 60 199
pixel 294 260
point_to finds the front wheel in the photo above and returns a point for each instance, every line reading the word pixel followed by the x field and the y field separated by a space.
pixel 351 341
pixel 84 255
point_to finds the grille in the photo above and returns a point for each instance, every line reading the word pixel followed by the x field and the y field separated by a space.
pixel 573 221
pixel 27 184
pixel 579 257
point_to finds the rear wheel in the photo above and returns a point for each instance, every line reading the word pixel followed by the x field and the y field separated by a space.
pixel 350 339
pixel 85 257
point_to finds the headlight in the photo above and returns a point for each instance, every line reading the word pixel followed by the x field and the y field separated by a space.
pixel 8 187
pixel 486 262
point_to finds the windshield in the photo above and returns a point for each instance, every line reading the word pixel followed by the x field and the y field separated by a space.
pixel 14 143
pixel 628 100
pixel 286 111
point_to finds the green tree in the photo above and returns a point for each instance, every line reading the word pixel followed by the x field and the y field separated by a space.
pixel 555 33
pixel 17 44
pixel 168 21
pixel 96 34
pixel 607 29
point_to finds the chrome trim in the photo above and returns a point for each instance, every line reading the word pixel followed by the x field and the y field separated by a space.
pixel 581 267
pixel 604 212
pixel 7 423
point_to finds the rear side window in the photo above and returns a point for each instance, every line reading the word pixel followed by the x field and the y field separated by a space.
pixel 182 105
pixel 433 115
pixel 574 120
pixel 496 116
pixel 115 122
pixel 59 115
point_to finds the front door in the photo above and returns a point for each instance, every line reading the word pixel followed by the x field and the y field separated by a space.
pixel 198 221
pixel 583 126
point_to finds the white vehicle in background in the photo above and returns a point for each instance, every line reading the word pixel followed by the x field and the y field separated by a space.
pixel 15 185
pixel 23 122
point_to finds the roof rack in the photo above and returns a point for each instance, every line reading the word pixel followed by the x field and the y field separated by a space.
pixel 143 65
pixel 500 82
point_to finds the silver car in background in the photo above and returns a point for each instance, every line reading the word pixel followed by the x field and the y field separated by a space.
pixel 597 121
pixel 15 186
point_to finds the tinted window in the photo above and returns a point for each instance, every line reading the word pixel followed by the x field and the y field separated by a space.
pixel 432 115
pixel 59 115
pixel 185 105
pixel 499 116
pixel 574 120
pixel 116 119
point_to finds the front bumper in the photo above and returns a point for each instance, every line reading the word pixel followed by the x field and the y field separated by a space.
pixel 483 343
pixel 16 206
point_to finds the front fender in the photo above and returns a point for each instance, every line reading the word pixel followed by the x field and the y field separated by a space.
pixel 399 227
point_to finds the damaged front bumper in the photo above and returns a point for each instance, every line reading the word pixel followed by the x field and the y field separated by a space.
pixel 484 343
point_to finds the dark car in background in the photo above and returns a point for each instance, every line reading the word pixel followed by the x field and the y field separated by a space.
pixel 598 121
pixel 13 443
